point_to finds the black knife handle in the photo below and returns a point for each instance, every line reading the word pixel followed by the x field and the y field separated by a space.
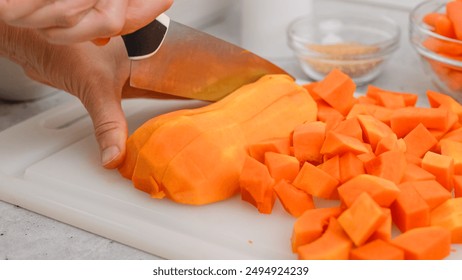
pixel 146 41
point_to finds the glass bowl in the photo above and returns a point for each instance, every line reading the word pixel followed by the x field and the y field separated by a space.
pixel 441 56
pixel 358 45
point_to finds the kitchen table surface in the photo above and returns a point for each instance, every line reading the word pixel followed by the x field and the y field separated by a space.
pixel 27 235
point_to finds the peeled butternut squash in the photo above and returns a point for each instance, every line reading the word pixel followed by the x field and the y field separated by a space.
pixel 195 156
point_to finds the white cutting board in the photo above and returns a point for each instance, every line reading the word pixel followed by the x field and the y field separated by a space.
pixel 49 164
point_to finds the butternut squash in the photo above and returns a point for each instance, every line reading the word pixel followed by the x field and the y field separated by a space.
pixel 379 94
pixel 454 12
pixel 334 244
pixel 331 166
pixel 377 250
pixel 315 181
pixel 442 166
pixel 362 219
pixel 390 165
pixel 384 231
pixel 449 216
pixel 424 243
pixel 337 90
pixel 350 166
pixel 277 145
pixel 410 210
pixel 307 140
pixel 419 141
pixel 311 225
pixel 256 185
pixel 384 160
pixel 381 190
pixel 295 201
pixel 176 154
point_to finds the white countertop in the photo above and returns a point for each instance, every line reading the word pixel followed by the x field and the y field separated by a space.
pixel 27 235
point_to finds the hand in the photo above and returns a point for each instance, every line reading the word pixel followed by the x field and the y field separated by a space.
pixel 72 21
pixel 98 76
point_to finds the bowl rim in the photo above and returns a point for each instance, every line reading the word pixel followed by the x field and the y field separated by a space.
pixel 415 22
pixel 385 46
pixel 421 27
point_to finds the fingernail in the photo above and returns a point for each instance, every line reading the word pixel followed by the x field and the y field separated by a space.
pixel 109 154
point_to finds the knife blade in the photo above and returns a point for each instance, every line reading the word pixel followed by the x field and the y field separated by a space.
pixel 171 58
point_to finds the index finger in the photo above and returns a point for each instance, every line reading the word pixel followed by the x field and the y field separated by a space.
pixel 60 13
pixel 141 12
pixel 13 10
pixel 105 19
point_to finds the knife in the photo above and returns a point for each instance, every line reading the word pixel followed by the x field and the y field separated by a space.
pixel 171 58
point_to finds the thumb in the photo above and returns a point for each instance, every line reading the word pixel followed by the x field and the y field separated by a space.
pixel 110 131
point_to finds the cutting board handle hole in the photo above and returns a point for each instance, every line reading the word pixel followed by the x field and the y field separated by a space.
pixel 65 119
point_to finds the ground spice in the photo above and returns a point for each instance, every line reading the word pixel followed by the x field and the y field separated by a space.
pixel 343 56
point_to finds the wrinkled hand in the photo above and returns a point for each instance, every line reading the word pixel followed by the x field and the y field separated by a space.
pixel 98 76
pixel 71 21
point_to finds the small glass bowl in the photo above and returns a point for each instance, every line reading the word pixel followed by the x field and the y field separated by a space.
pixel 441 56
pixel 358 45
